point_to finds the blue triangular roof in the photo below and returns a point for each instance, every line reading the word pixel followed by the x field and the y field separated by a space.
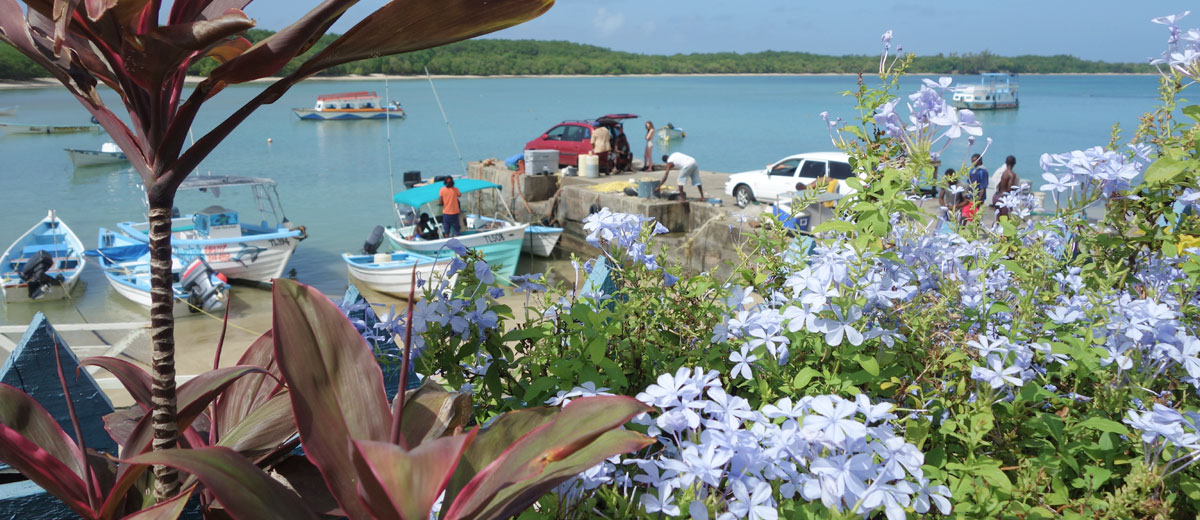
pixel 418 195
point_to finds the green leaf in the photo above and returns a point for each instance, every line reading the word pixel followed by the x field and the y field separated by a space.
pixel 802 378
pixel 840 226
pixel 265 428
pixel 167 510
pixel 869 364
pixel 1164 169
pixel 243 489
pixel 1098 475
pixel 431 412
pixel 993 475
pixel 1192 111
pixel 1104 425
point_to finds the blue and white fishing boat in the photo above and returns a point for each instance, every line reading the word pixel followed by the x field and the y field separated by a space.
pixel 540 240
pixel 44 264
pixel 392 273
pixel 109 153
pixel 196 286
pixel 234 247
pixel 498 238
pixel 350 106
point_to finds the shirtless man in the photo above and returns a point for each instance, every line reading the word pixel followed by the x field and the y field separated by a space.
pixel 1008 181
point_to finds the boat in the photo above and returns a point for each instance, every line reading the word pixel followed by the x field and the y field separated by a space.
pixel 9 111
pixel 540 240
pixel 350 106
pixel 392 273
pixel 16 128
pixel 994 91
pixel 196 285
pixel 498 238
pixel 230 244
pixel 43 264
pixel 669 132
pixel 109 153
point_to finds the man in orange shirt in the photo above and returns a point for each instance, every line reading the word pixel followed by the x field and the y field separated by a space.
pixel 449 196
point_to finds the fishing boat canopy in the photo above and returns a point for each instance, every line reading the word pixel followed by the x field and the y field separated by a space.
pixel 418 195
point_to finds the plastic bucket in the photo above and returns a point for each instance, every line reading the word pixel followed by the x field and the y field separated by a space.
pixel 645 189
pixel 589 166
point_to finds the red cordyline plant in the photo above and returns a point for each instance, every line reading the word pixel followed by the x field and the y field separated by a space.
pixel 125 45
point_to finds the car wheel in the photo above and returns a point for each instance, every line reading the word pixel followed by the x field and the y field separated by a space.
pixel 743 196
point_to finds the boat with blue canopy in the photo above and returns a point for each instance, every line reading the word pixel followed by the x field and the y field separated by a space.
pixel 498 237
pixel 43 264
pixel 196 286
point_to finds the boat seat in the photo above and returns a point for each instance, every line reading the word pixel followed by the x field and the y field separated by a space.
pixel 55 250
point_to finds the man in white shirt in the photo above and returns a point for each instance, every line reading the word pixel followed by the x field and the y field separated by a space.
pixel 688 169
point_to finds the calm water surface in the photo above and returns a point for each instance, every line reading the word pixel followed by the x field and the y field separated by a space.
pixel 333 176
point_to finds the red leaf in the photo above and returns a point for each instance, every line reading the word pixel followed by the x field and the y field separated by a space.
pixel 135 380
pixel 169 509
pixel 195 395
pixel 268 56
pixel 32 442
pixel 252 390
pixel 335 384
pixel 404 484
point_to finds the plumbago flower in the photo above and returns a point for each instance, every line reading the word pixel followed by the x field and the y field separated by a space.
pixel 1081 177
pixel 625 237
pixel 1183 48
pixel 731 461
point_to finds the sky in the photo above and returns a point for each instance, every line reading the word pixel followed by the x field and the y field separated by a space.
pixel 1109 30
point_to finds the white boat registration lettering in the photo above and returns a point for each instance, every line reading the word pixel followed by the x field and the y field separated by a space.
pixel 279 242
pixel 494 239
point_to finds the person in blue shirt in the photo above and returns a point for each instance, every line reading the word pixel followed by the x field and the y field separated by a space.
pixel 977 181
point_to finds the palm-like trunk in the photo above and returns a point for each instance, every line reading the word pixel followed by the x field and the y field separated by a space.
pixel 162 334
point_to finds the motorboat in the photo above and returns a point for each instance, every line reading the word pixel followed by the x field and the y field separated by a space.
pixel 18 128
pixel 670 132
pixel 498 237
pixel 231 244
pixel 994 91
pixel 392 273
pixel 109 153
pixel 9 111
pixel 540 240
pixel 195 286
pixel 350 106
pixel 43 264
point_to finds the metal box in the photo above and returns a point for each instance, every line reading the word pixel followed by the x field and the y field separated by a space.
pixel 541 162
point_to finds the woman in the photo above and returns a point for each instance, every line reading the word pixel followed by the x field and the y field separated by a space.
pixel 648 159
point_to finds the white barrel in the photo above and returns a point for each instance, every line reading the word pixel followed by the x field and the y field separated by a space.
pixel 383 257
pixel 589 166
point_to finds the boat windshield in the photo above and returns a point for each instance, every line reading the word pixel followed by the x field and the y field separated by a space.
pixel 241 194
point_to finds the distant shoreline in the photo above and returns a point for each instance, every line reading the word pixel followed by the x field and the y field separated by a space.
pixel 51 82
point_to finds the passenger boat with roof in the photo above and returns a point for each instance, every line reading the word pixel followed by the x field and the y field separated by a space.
pixel 196 286
pixel 109 153
pixel 498 237
pixel 43 264
pixel 994 91
pixel 222 237
pixel 350 106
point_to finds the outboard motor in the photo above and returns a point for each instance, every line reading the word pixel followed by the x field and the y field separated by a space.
pixel 412 178
pixel 197 280
pixel 35 277
pixel 373 240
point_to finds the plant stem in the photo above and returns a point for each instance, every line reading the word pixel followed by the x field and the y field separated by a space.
pixel 162 333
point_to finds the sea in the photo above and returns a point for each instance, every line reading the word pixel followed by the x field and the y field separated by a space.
pixel 336 178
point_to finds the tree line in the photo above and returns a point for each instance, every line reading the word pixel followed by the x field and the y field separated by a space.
pixel 490 57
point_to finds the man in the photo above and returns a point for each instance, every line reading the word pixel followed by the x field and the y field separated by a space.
pixel 449 198
pixel 977 182
pixel 602 145
pixel 1008 181
pixel 953 198
pixel 688 169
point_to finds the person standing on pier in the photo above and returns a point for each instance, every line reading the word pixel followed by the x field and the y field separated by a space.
pixel 688 169
pixel 648 159
pixel 977 184
pixel 1008 181
pixel 449 197
pixel 602 146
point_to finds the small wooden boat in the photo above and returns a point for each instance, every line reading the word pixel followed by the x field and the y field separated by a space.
pixel 350 106
pixel 9 111
pixel 392 273
pixel 126 262
pixel 499 239
pixel 994 91
pixel 109 153
pixel 540 240
pixel 44 264
pixel 14 128
pixel 237 249
pixel 669 132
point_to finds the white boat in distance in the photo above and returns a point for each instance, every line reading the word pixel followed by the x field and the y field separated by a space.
pixel 993 91
pixel 126 263
pixel 43 264
pixel 350 106
pixel 9 111
pixel 669 132
pixel 109 153
pixel 15 128
pixel 392 273
pixel 236 248
pixel 540 240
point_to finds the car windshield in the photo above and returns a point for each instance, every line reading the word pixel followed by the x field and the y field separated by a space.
pixel 785 168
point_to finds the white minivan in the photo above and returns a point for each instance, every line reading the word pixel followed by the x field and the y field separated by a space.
pixel 768 184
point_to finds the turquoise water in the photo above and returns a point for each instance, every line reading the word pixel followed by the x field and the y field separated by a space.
pixel 333 176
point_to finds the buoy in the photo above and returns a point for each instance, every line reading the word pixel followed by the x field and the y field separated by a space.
pixel 268 140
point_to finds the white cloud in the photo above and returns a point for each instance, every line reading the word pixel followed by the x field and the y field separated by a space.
pixel 608 23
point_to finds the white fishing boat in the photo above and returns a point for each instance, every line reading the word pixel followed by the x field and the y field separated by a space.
pixel 994 91
pixel 9 111
pixel 16 128
pixel 350 106
pixel 392 273
pixel 498 238
pixel 109 153
pixel 232 245
pixel 540 240
pixel 670 132
pixel 43 264
pixel 196 286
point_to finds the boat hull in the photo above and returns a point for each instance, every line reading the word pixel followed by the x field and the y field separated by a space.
pixel 501 248
pixel 667 134
pixel 312 114
pixel 47 129
pixel 256 258
pixel 140 295
pixel 540 240
pixel 985 105
pixel 81 158
pixel 55 237
pixel 395 275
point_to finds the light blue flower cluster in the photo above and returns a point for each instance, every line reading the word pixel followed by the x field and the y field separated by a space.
pixel 1170 433
pixel 1183 48
pixel 625 237
pixel 735 462
pixel 1078 177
